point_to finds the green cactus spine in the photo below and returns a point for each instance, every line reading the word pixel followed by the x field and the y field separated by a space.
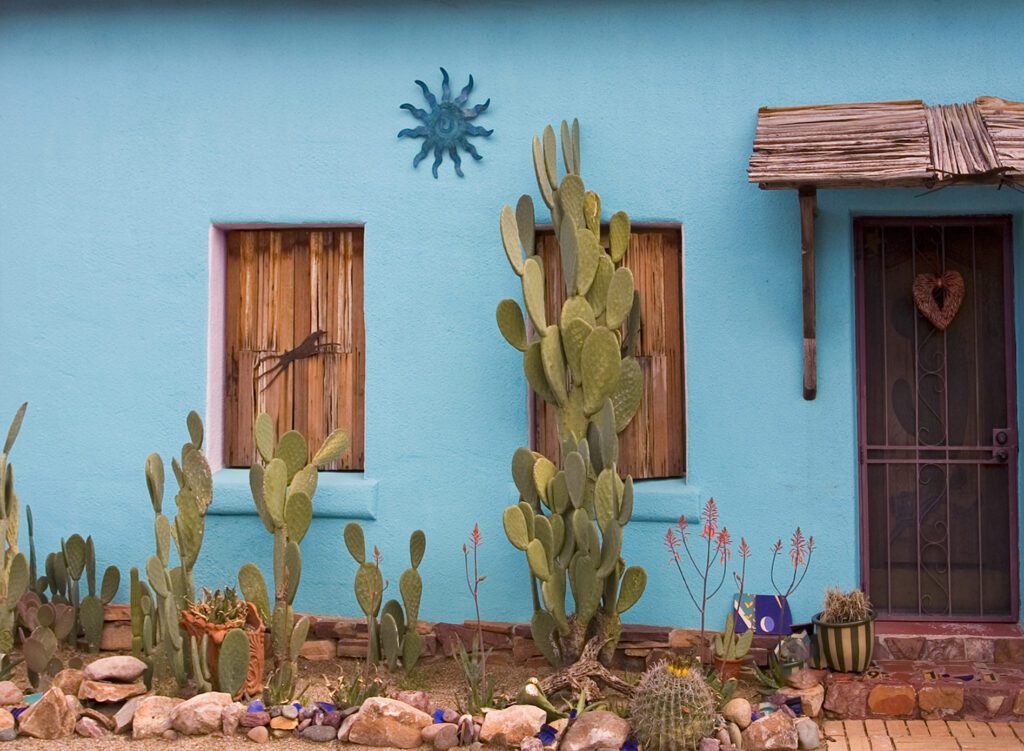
pixel 156 609
pixel 673 708
pixel 571 516
pixel 283 483
pixel 394 637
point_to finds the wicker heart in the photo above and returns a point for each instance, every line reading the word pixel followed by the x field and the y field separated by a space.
pixel 952 286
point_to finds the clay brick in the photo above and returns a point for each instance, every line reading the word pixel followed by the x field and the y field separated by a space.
pixel 523 648
pixel 117 613
pixel 337 628
pixel 116 637
pixel 892 700
pixel 319 650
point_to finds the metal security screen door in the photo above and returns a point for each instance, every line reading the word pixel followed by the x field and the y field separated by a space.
pixel 937 413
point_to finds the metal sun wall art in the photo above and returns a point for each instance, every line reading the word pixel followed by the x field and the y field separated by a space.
pixel 446 127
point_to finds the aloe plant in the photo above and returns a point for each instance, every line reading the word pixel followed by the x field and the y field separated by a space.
pixel 571 515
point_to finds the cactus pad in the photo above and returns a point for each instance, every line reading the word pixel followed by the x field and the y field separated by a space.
pixel 233 662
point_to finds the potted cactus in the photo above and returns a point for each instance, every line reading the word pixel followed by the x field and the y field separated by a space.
pixel 845 630
pixel 211 619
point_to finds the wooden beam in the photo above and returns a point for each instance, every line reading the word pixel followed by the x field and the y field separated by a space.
pixel 808 205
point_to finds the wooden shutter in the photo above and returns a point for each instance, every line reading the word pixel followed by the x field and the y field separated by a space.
pixel 654 444
pixel 282 285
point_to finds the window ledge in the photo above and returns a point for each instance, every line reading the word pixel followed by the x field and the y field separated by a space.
pixel 339 495
pixel 656 500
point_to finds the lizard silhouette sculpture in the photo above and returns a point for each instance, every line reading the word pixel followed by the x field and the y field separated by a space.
pixel 306 348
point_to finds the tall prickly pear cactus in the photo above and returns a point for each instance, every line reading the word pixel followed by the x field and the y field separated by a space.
pixel 570 518
pixel 394 637
pixel 283 483
pixel 14 567
pixel 156 609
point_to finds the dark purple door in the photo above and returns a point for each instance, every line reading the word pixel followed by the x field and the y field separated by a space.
pixel 937 414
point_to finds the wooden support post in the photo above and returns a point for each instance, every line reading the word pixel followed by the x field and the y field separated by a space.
pixel 808 204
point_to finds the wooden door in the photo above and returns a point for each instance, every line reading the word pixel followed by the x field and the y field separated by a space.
pixel 937 413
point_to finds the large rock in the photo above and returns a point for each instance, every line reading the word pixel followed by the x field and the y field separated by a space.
pixel 200 715
pixel 68 680
pixel 119 668
pixel 7 729
pixel 48 718
pixel 738 710
pixel 594 730
pixel 230 716
pixel 811 698
pixel 152 717
pixel 122 718
pixel 87 727
pixel 808 735
pixel 806 678
pixel 515 723
pixel 105 692
pixel 418 699
pixel 10 694
pixel 387 722
pixel 776 732
pixel 898 700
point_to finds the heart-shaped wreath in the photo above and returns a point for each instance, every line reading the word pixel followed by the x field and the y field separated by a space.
pixel 926 288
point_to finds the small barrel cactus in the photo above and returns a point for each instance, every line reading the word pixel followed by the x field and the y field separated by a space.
pixel 673 708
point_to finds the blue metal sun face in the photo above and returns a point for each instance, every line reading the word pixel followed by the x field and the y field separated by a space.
pixel 447 127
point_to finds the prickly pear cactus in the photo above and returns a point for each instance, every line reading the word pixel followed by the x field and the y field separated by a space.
pixel 394 637
pixel 14 567
pixel 570 518
pixel 156 608
pixel 283 483
pixel 673 708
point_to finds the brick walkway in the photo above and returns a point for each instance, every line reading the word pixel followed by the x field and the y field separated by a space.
pixel 923 735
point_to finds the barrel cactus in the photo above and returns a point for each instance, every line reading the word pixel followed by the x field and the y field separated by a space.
pixel 394 637
pixel 573 508
pixel 283 483
pixel 673 708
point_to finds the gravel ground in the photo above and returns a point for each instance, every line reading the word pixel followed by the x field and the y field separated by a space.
pixel 441 678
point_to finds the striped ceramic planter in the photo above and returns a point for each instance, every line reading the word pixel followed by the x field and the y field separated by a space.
pixel 846 647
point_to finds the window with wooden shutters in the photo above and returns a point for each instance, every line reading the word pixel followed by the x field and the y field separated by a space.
pixel 284 286
pixel 653 445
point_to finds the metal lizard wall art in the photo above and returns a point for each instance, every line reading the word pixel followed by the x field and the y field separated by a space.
pixel 307 348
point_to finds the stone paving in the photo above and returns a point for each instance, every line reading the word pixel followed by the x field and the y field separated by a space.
pixel 905 689
pixel 923 735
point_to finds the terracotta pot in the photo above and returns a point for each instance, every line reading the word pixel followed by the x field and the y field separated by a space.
pixel 199 627
pixel 728 668
pixel 846 647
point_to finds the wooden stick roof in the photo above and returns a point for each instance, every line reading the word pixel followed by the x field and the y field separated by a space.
pixel 889 144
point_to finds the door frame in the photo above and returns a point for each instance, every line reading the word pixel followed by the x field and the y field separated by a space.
pixel 1006 222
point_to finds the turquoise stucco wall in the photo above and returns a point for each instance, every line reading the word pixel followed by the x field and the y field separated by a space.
pixel 126 130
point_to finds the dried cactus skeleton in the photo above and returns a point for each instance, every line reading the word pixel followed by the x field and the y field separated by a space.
pixel 570 519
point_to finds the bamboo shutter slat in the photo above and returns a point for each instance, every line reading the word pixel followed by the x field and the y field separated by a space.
pixel 653 445
pixel 282 285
